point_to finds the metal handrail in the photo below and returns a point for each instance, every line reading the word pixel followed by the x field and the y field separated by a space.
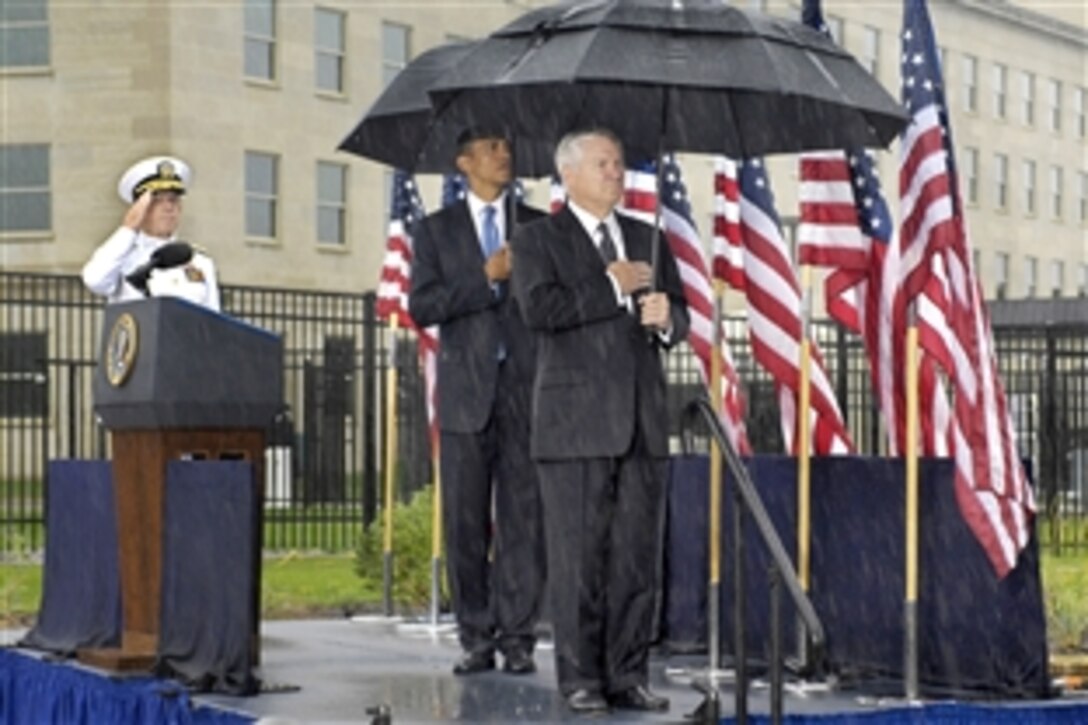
pixel 782 571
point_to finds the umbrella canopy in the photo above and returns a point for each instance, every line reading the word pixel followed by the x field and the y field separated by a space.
pixel 400 130
pixel 670 75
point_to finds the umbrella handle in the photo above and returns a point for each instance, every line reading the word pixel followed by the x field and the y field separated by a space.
pixel 655 242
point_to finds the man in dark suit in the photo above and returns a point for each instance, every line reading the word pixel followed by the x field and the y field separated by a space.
pixel 460 282
pixel 599 430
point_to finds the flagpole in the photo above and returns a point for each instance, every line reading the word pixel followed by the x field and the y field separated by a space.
pixel 910 607
pixel 390 466
pixel 436 537
pixel 713 599
pixel 804 461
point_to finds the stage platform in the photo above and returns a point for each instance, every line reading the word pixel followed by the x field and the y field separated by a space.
pixel 335 670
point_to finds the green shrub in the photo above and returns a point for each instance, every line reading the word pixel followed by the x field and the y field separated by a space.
pixel 412 524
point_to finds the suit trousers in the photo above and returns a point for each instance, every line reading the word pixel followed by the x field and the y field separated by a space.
pixel 496 569
pixel 601 520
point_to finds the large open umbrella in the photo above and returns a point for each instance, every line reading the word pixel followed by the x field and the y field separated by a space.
pixel 669 75
pixel 399 128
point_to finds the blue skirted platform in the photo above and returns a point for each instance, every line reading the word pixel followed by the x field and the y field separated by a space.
pixel 33 690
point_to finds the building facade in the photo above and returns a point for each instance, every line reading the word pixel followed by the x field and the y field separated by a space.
pixel 257 94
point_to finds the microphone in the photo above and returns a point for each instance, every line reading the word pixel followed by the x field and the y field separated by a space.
pixel 168 256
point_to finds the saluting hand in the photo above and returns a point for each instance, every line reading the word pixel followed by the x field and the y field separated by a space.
pixel 134 217
pixel 497 267
pixel 654 311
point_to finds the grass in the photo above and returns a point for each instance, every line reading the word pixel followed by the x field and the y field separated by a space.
pixel 1065 592
pixel 325 585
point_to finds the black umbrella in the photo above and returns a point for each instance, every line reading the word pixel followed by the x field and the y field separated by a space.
pixel 670 75
pixel 400 130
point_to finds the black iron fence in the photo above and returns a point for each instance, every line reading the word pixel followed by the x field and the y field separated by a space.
pixel 325 458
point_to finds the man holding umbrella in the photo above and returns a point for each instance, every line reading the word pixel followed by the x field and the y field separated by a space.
pixel 460 281
pixel 599 429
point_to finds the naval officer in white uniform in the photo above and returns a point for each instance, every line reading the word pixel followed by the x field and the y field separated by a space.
pixel 153 189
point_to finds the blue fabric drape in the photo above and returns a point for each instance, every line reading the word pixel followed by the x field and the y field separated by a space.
pixel 81 586
pixel 977 636
pixel 208 584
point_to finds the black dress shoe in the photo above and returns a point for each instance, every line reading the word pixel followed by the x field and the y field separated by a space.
pixel 473 662
pixel 584 702
pixel 639 698
pixel 518 662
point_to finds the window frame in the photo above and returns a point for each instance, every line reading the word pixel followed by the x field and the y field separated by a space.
pixel 391 66
pixel 22 27
pixel 45 190
pixel 338 55
pixel 269 198
pixel 1001 90
pixel 339 206
pixel 270 42
pixel 970 83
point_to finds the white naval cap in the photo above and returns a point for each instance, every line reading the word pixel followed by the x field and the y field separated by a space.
pixel 157 173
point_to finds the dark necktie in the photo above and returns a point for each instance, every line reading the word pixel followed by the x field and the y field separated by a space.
pixel 607 247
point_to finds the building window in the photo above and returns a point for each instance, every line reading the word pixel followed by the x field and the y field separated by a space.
pixel 1001 74
pixel 329 50
pixel 870 53
pixel 260 36
pixel 836 28
pixel 1001 181
pixel 1057 277
pixel 24 34
pixel 1027 96
pixel 23 375
pixel 331 203
pixel 1056 182
pixel 395 41
pixel 1001 278
pixel 26 204
pixel 970 83
pixel 970 174
pixel 1082 283
pixel 1079 111
pixel 976 262
pixel 1031 276
pixel 1055 99
pixel 1029 187
pixel 262 193
pixel 1082 197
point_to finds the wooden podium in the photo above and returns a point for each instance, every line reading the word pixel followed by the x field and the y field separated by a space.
pixel 176 382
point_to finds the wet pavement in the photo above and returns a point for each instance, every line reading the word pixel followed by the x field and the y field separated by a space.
pixel 343 668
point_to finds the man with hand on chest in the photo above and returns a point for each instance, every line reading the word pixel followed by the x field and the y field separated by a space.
pixel 460 282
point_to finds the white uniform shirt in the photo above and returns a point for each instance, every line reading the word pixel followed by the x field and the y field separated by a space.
pixel 126 250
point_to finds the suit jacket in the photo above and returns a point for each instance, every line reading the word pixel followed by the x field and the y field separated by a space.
pixel 598 369
pixel 450 289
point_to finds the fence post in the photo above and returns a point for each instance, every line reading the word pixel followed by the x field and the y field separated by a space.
pixel 370 409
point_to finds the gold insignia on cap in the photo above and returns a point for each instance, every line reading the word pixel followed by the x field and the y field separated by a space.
pixel 167 171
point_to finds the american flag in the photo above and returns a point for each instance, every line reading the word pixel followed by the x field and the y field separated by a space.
pixel 684 243
pixel 991 487
pixel 557 195
pixel 753 257
pixel 405 211
pixel 845 226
